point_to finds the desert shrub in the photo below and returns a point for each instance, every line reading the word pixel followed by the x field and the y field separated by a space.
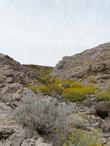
pixel 55 82
pixel 39 73
pixel 43 88
pixel 40 69
pixel 31 86
pixel 77 120
pixel 49 89
pixel 48 86
pixel 55 85
pixel 78 93
pixel 80 138
pixel 103 95
pixel 43 114
pixel 69 89
pixel 43 79
pixel 71 83
pixel 92 79
pixel 73 95
pixel 89 88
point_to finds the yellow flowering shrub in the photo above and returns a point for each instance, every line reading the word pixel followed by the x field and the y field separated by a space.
pixel 92 79
pixel 43 88
pixel 76 93
pixel 31 86
pixel 69 89
pixel 103 95
pixel 71 83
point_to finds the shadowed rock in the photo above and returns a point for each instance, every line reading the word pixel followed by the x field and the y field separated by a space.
pixel 103 109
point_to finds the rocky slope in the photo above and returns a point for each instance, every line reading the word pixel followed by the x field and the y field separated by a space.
pixel 19 106
pixel 13 76
pixel 11 71
pixel 90 65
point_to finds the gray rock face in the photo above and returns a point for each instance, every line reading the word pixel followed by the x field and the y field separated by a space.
pixel 94 62
pixel 11 71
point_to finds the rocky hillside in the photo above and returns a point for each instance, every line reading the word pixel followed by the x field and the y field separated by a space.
pixel 92 65
pixel 13 77
pixel 37 72
pixel 11 71
pixel 37 109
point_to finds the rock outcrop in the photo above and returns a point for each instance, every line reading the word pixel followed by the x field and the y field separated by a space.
pixel 11 71
pixel 13 76
pixel 90 65
pixel 103 109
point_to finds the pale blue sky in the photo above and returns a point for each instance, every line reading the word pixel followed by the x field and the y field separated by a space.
pixel 43 31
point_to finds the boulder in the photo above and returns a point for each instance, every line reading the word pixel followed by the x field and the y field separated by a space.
pixel 103 109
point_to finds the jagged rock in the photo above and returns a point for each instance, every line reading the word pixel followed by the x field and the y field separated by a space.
pixel 11 93
pixel 5 133
pixel 11 134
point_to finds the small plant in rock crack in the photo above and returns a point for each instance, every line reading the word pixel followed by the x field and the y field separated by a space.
pixel 43 114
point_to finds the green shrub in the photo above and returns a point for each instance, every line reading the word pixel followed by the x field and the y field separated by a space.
pixel 49 117
pixel 48 86
pixel 69 89
pixel 40 69
pixel 89 88
pixel 78 93
pixel 31 86
pixel 92 79
pixel 71 83
pixel 103 95
pixel 43 88
pixel 80 138
pixel 74 96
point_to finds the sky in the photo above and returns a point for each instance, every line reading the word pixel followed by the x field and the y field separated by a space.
pixel 43 31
